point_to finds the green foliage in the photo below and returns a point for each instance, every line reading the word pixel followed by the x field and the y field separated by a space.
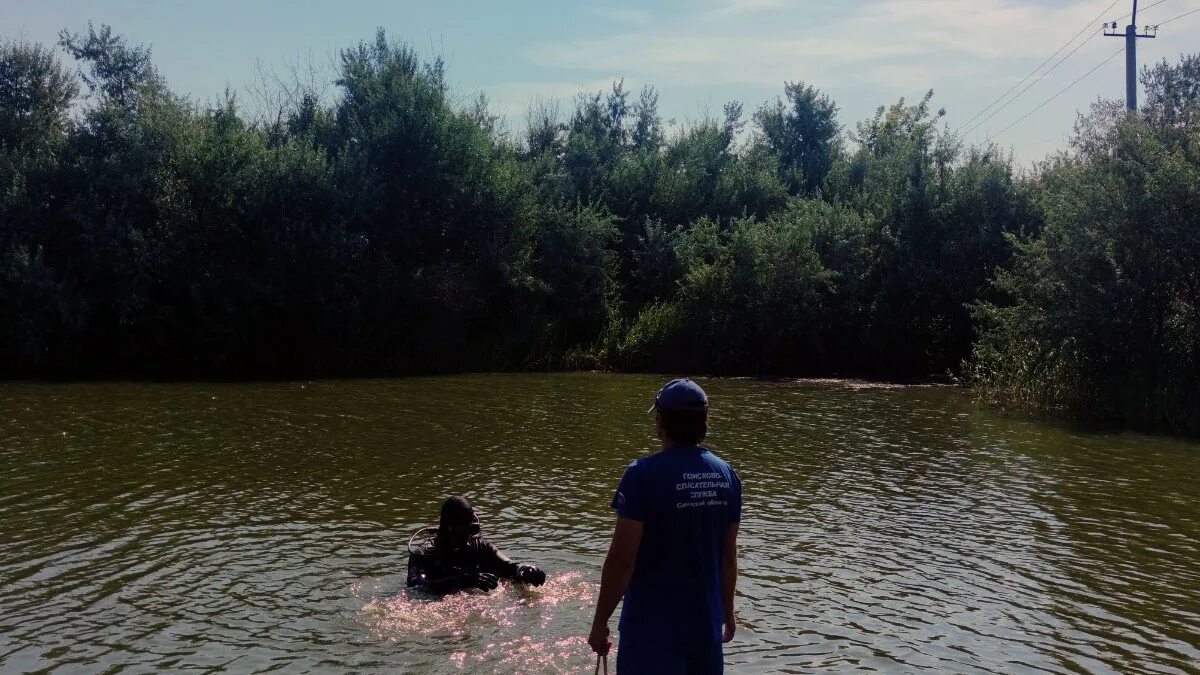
pixel 803 134
pixel 1100 313
pixel 390 230
pixel 1173 93
pixel 750 301
pixel 36 93
pixel 936 224
pixel 575 271
pixel 115 71
pixel 388 233
pixel 35 96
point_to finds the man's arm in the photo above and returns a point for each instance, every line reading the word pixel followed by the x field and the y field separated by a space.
pixel 618 568
pixel 729 573
pixel 492 560
pixel 495 562
pixel 418 569
pixel 437 578
pixel 447 580
pixel 440 578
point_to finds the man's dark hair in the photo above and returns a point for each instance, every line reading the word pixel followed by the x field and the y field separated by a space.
pixel 685 427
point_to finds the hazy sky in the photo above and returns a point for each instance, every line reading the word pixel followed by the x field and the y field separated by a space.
pixel 863 53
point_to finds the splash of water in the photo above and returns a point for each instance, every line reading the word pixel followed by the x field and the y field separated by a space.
pixel 513 620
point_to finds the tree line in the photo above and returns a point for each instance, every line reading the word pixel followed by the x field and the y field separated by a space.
pixel 389 230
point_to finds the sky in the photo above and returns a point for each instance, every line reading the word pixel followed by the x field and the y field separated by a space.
pixel 698 54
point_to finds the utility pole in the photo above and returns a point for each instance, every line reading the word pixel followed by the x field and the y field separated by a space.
pixel 1131 36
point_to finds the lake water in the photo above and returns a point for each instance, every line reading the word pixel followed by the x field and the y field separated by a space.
pixel 263 527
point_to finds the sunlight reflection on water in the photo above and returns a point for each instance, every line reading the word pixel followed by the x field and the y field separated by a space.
pixel 260 527
pixel 505 616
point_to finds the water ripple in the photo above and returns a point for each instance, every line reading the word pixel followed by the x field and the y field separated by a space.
pixel 255 528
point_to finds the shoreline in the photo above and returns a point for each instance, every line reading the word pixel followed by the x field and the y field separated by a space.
pixel 845 381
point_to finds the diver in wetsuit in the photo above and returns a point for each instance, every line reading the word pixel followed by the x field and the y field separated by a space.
pixel 460 558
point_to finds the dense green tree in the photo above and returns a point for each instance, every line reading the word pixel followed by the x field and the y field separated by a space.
pixel 386 229
pixel 575 269
pixel 115 71
pixel 437 200
pixel 1173 93
pixel 750 301
pixel 647 131
pixel 938 232
pixel 1099 315
pixel 801 130
pixel 36 93
pixel 35 97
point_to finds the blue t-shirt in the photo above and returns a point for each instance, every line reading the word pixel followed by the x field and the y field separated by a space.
pixel 686 499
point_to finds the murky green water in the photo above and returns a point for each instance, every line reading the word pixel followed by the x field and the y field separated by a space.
pixel 259 527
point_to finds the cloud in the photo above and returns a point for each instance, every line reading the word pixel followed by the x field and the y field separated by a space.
pixel 513 100
pixel 735 7
pixel 916 42
pixel 624 15
pixel 867 52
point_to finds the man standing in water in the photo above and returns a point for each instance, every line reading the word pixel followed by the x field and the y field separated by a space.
pixel 673 555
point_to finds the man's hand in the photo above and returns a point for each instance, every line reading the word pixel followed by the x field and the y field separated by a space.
pixel 531 575
pixel 483 581
pixel 598 640
pixel 730 627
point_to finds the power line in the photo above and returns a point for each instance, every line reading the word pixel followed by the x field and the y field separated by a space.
pixel 1150 6
pixel 1163 23
pixel 1021 93
pixel 1060 93
pixel 1048 60
pixel 1131 36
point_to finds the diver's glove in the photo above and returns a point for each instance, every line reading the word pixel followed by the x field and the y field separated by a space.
pixel 531 575
pixel 483 581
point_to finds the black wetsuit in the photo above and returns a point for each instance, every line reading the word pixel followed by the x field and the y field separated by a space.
pixel 442 570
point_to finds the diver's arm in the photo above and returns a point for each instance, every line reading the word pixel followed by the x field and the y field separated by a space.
pixel 492 560
pixel 424 572
pixel 452 579
pixel 418 574
pixel 618 568
pixel 449 580
pixel 439 578
pixel 504 567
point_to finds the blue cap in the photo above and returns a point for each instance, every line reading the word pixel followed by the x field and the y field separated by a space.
pixel 681 394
